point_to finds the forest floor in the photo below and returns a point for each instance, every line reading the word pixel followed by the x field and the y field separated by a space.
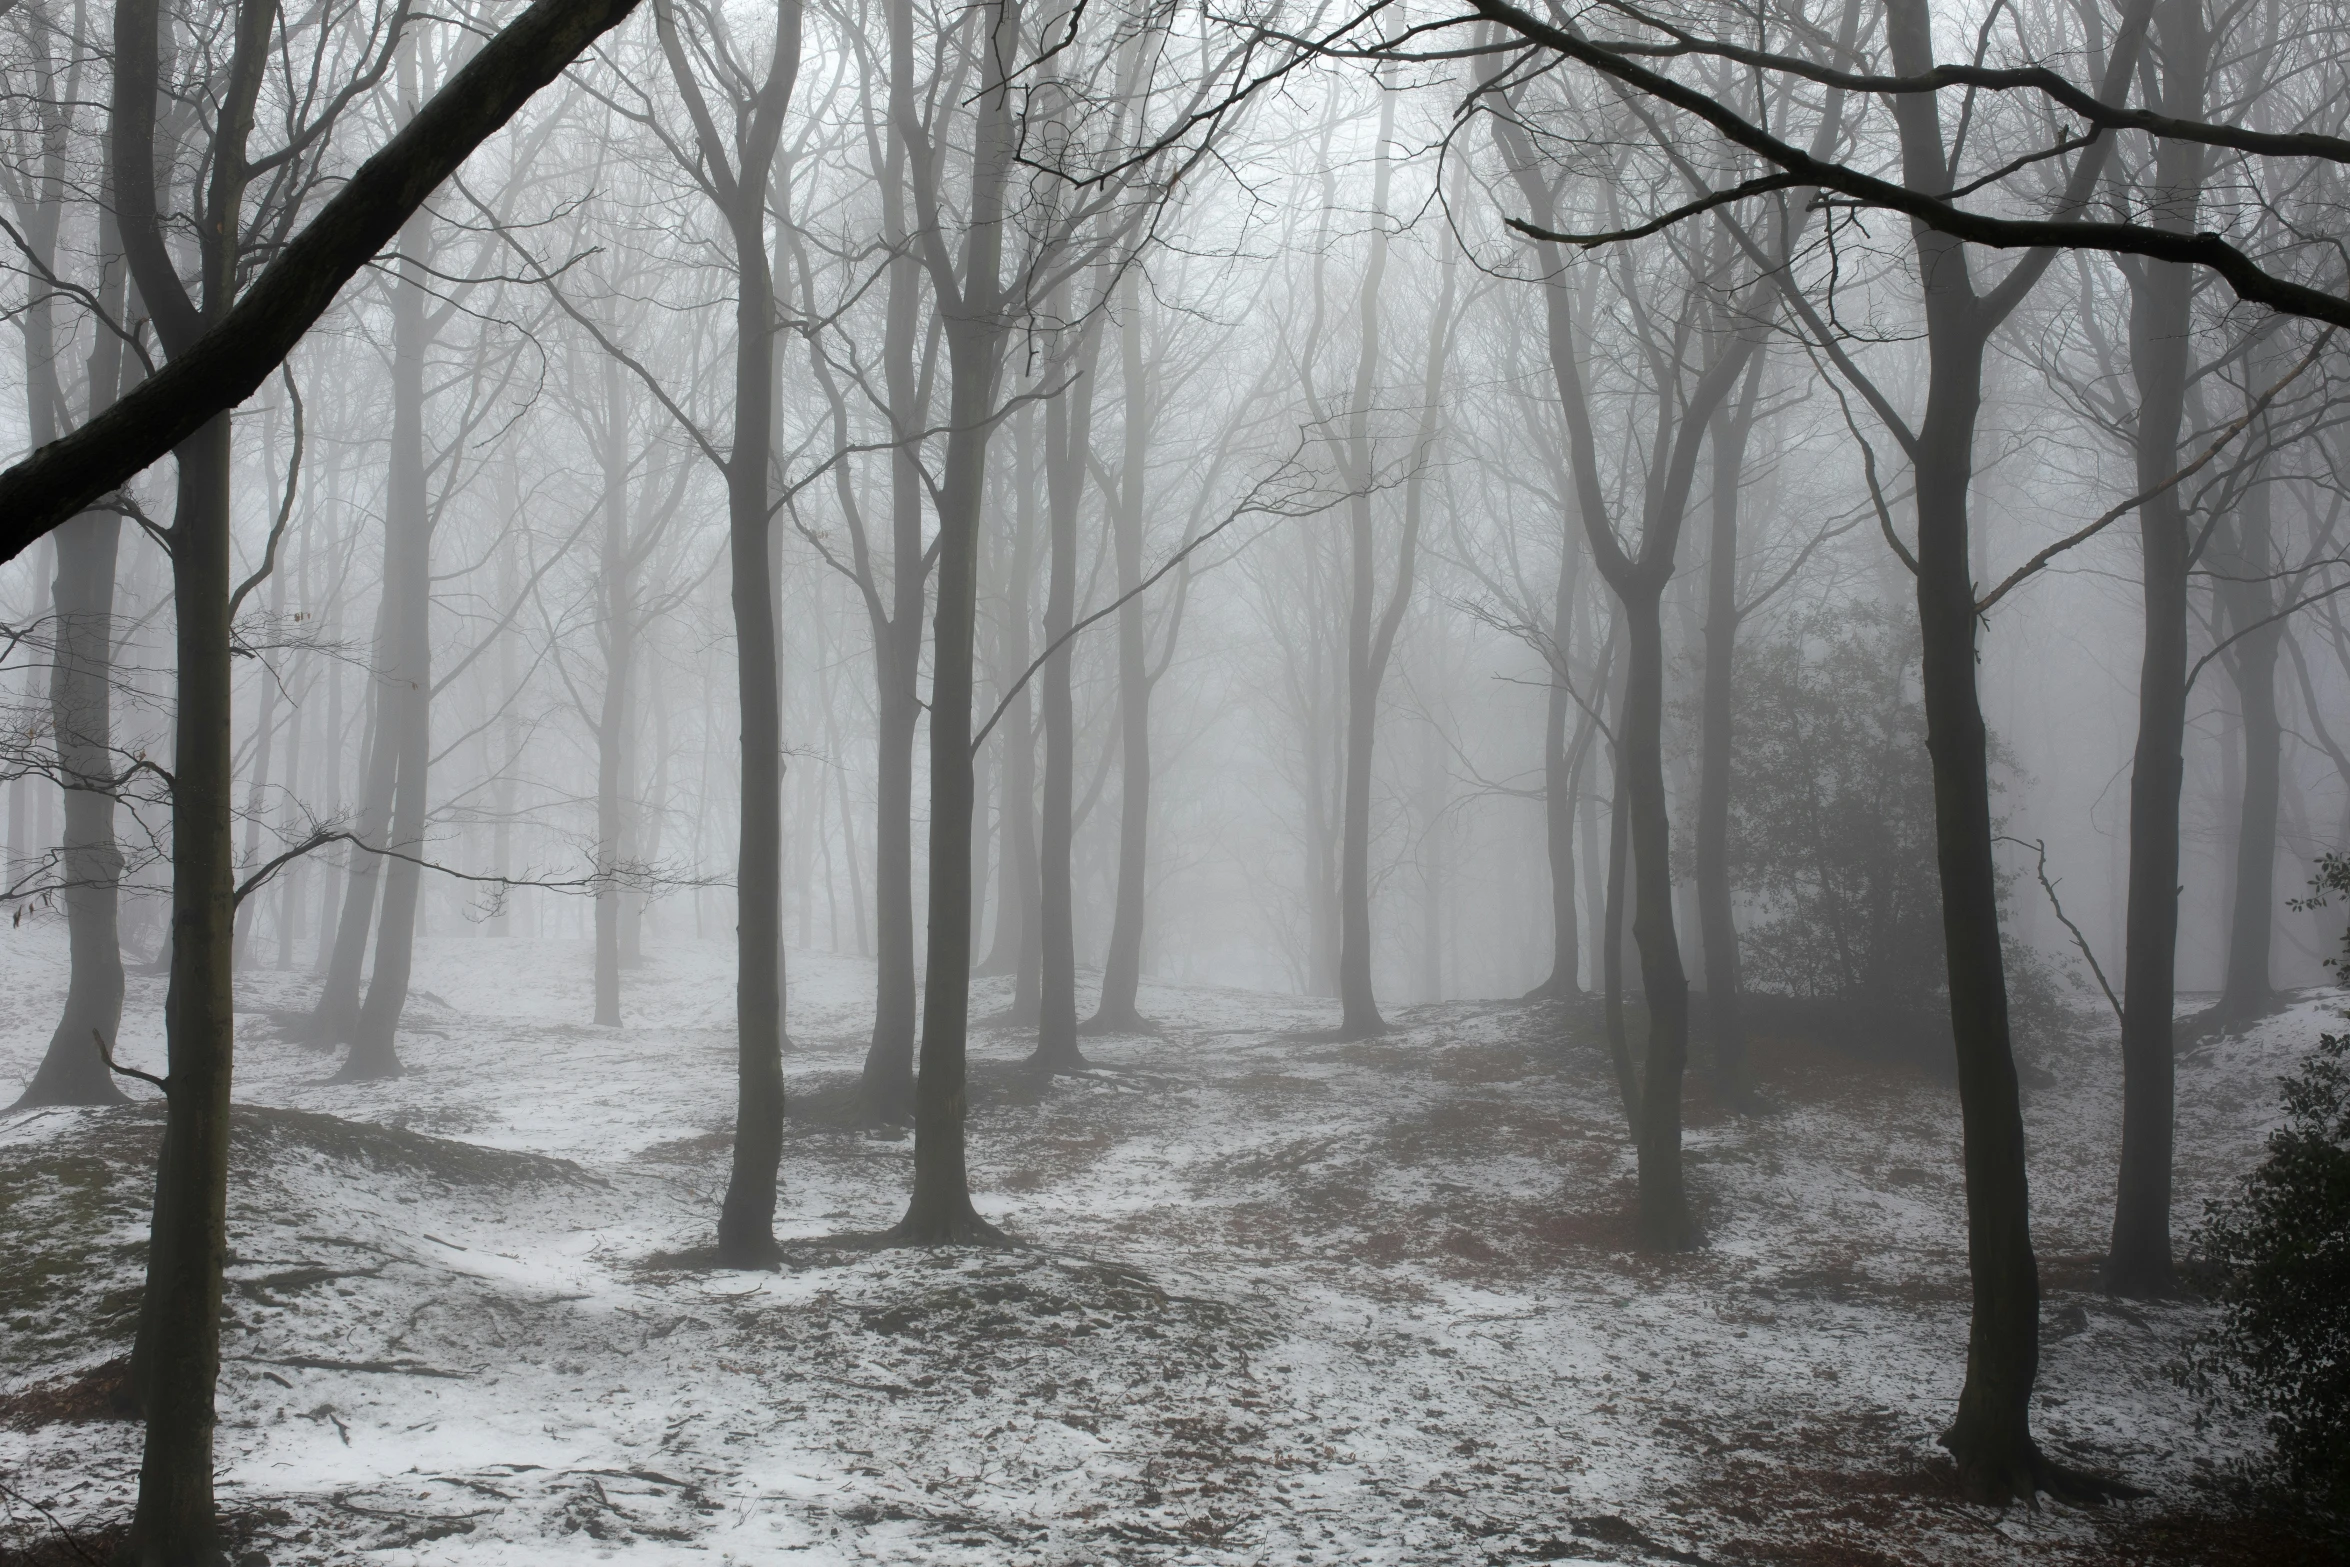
pixel 1277 1301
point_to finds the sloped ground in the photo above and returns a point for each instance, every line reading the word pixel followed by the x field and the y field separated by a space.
pixel 1280 1301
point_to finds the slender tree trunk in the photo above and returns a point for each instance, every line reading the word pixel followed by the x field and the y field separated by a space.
pixel 612 715
pixel 1664 1207
pixel 1116 1011
pixel 176 1361
pixel 1019 945
pixel 1733 1082
pixel 2246 992
pixel 180 1321
pixel 2161 320
pixel 940 1211
pixel 1068 435
pixel 1558 795
pixel 887 1088
pixel 1611 962
pixel 1358 1005
pixel 746 1220
pixel 405 683
pixel 81 710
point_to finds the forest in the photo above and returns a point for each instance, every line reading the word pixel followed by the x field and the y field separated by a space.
pixel 1121 781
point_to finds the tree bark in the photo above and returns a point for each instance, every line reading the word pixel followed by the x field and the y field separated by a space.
pixel 81 710
pixel 1115 1012
pixel 1733 1082
pixel 404 681
pixel 940 1212
pixel 2249 603
pixel 739 176
pixel 1068 423
pixel 612 717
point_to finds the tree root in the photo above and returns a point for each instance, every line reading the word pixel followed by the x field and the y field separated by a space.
pixel 1997 1481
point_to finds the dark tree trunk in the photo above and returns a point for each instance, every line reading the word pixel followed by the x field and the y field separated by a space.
pixel 1991 1435
pixel 179 1327
pixel 940 1213
pixel 746 1218
pixel 2161 321
pixel 176 1359
pixel 1664 1205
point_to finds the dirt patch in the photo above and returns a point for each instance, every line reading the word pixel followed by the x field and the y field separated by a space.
pixel 1471 1065
pixel 101 1393
pixel 259 1137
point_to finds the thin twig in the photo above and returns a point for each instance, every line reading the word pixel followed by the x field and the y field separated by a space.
pixel 2040 847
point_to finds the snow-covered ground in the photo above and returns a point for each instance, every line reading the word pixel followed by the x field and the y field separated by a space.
pixel 1279 1301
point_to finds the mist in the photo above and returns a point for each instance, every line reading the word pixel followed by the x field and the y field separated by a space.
pixel 1049 783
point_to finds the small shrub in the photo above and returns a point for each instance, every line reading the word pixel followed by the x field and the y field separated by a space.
pixel 2281 1253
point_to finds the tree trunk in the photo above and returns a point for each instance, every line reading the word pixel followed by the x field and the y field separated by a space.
pixel 179 1328
pixel 940 1212
pixel 1664 1208
pixel 2245 991
pixel 1116 1012
pixel 81 709
pixel 336 1018
pixel 2161 321
pixel 1068 436
pixel 1558 792
pixel 746 1219
pixel 1733 1082
pixel 405 682
pixel 887 1088
pixel 612 714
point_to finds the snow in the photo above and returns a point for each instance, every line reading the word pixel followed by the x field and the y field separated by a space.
pixel 1279 1301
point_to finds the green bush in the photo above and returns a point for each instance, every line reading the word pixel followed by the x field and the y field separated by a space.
pixel 2281 1254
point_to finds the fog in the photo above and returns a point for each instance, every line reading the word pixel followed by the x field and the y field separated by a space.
pixel 1058 696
